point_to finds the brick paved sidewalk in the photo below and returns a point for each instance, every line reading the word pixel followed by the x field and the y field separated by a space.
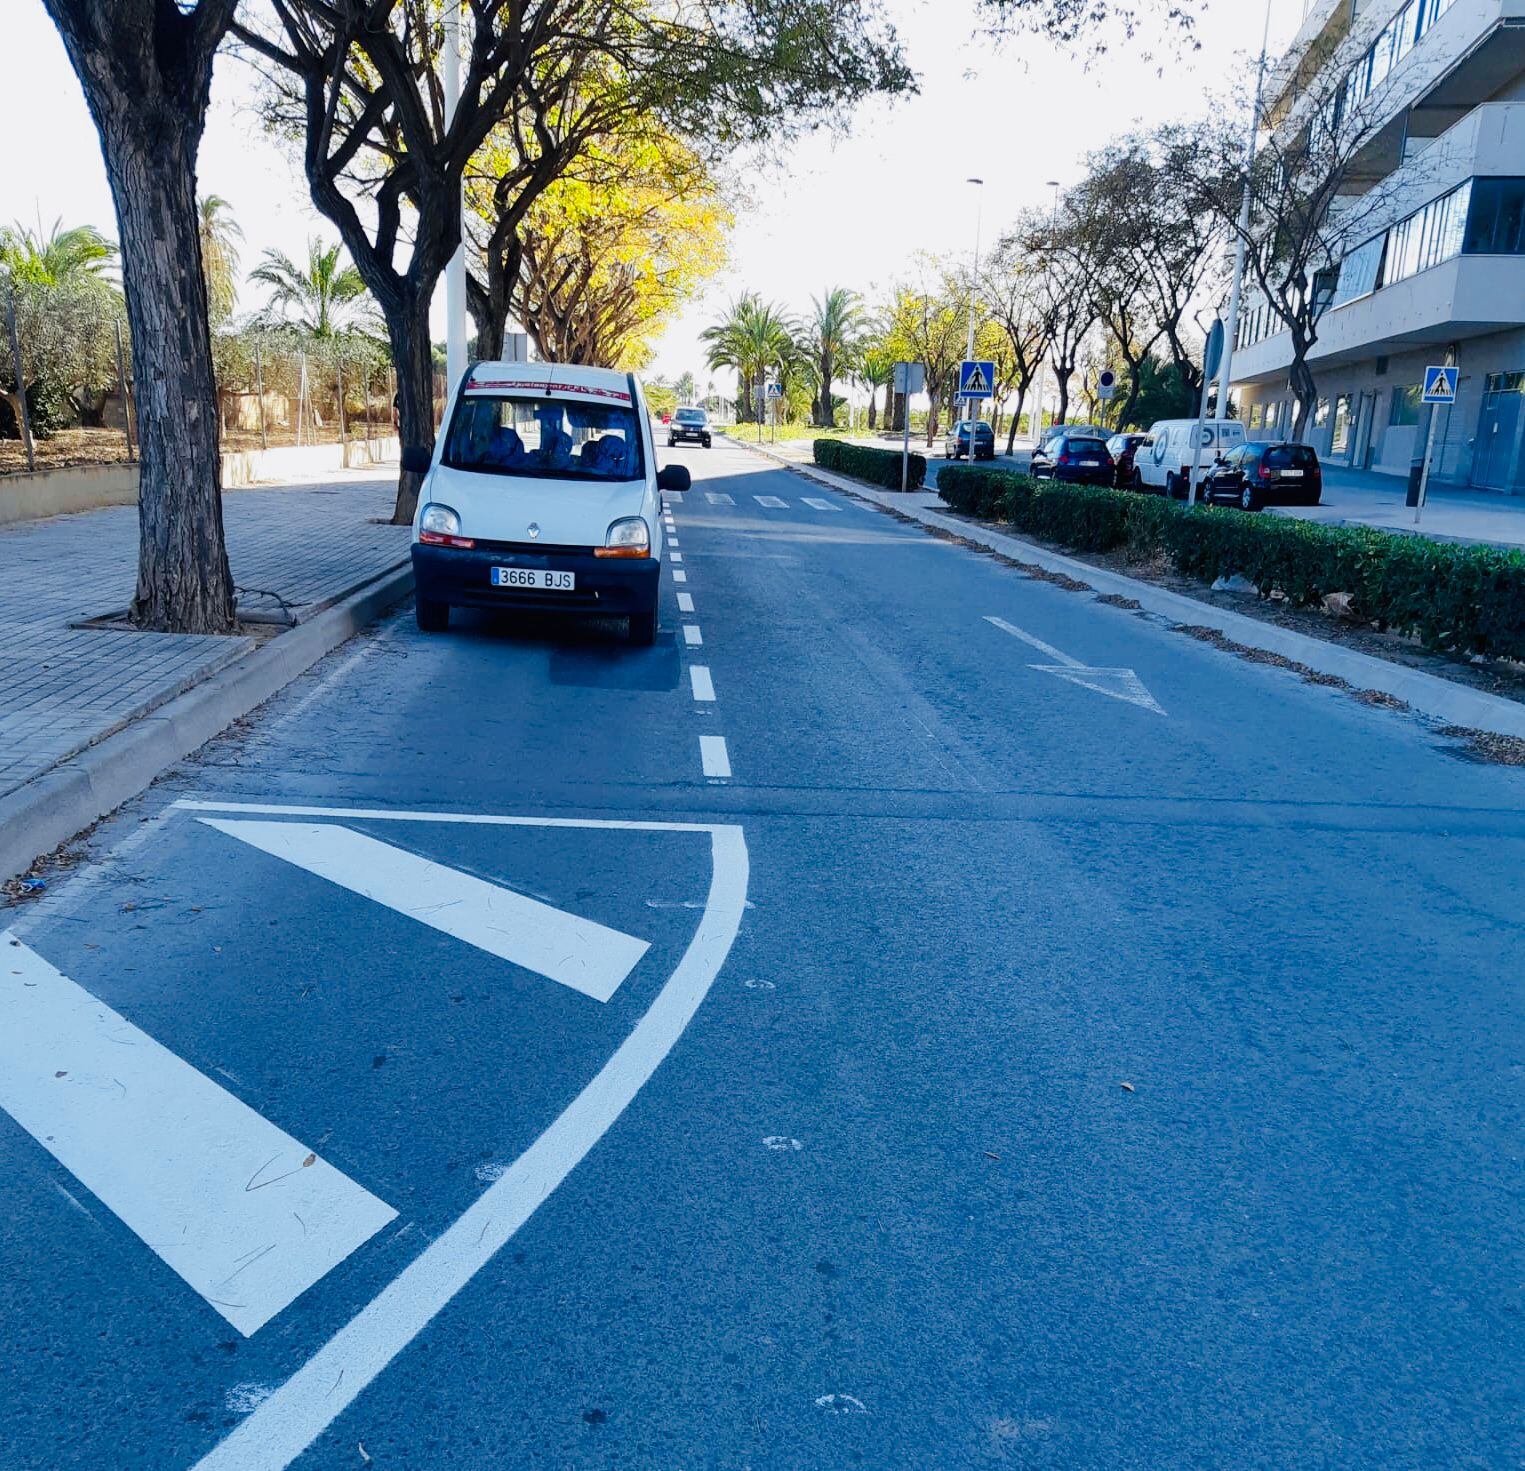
pixel 64 688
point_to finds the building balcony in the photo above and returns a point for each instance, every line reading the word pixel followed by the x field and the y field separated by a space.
pixel 1467 296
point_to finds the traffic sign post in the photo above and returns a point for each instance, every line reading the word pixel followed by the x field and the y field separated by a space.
pixel 976 379
pixel 775 393
pixel 908 378
pixel 1106 386
pixel 1439 392
pixel 1212 355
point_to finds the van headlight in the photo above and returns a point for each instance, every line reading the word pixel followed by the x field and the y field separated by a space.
pixel 439 526
pixel 630 536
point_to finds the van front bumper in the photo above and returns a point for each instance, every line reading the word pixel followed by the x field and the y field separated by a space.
pixel 608 586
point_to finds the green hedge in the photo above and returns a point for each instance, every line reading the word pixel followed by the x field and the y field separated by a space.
pixel 1463 599
pixel 877 466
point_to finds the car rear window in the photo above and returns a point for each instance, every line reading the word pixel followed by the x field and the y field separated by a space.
pixel 544 439
pixel 1291 457
pixel 1085 446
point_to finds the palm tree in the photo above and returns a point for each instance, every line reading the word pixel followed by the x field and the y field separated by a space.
pixel 220 235
pixel 876 367
pixel 58 259
pixel 322 301
pixel 836 335
pixel 754 338
pixel 685 387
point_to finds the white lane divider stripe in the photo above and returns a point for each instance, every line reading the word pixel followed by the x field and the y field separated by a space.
pixel 699 677
pixel 685 602
pixel 772 502
pixel 580 953
pixel 248 1216
pixel 679 575
pixel 677 556
pixel 819 505
pixel 713 756
pixel 691 635
pixel 718 498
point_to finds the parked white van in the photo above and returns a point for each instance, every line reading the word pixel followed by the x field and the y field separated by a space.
pixel 542 492
pixel 1164 461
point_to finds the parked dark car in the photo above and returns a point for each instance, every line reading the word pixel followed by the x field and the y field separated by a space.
pixel 1074 458
pixel 1270 475
pixel 1122 448
pixel 688 424
pixel 956 444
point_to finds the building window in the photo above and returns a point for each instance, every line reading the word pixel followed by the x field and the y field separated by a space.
pixel 1340 443
pixel 1428 236
pixel 1496 222
pixel 1405 408
pixel 1321 414
pixel 1360 271
pixel 1505 383
pixel 1257 415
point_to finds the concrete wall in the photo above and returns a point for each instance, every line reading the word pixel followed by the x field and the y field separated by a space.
pixel 87 487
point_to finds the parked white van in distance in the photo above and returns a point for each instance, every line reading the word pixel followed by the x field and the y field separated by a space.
pixel 1164 461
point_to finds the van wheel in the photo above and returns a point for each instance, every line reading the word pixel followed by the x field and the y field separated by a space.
pixel 432 617
pixel 643 627
pixel 1173 488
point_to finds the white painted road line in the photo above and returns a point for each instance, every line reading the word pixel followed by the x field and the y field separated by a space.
pixel 245 1214
pixel 718 498
pixel 685 602
pixel 699 677
pixel 676 556
pixel 1116 684
pixel 772 502
pixel 274 1434
pixel 714 757
pixel 691 635
pixel 580 953
pixel 679 575
pixel 811 501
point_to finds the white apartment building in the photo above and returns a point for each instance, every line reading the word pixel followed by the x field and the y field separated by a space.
pixel 1435 270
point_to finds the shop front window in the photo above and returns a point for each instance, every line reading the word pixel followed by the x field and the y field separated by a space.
pixel 1340 444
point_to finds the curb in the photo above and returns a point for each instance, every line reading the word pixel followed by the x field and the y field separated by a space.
pixel 65 800
pixel 1428 694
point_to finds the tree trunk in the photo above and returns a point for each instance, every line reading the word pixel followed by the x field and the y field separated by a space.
pixel 146 80
pixel 1016 418
pixel 1063 375
pixel 873 406
pixel 413 353
pixel 1305 389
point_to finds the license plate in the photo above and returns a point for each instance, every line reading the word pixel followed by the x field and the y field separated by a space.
pixel 1090 464
pixel 533 577
pixel 1291 474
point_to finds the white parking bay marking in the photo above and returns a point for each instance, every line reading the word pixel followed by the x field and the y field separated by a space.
pixel 699 677
pixel 248 1216
pixel 1116 684
pixel 713 756
pixel 718 498
pixel 691 635
pixel 685 602
pixel 818 505
pixel 580 953
pixel 772 502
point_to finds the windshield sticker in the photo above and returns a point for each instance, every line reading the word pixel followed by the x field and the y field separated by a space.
pixel 583 390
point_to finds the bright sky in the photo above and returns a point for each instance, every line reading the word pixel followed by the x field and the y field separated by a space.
pixel 830 210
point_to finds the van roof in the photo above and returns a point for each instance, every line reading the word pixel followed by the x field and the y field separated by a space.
pixel 1160 424
pixel 569 380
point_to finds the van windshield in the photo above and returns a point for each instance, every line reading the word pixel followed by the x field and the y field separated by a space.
pixel 544 438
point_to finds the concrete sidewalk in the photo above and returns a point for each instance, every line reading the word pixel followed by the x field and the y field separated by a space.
pixel 294 550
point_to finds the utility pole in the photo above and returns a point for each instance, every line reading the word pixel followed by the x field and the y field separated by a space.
pixel 1236 293
pixel 971 404
pixel 455 271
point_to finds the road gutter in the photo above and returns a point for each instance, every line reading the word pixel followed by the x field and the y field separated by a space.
pixel 1428 694
pixel 52 808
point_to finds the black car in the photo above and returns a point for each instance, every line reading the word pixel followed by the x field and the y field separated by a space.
pixel 1123 448
pixel 689 424
pixel 1269 474
pixel 1074 458
pixel 956 444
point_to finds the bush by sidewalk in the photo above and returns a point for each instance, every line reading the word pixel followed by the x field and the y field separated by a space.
pixel 1463 599
pixel 876 466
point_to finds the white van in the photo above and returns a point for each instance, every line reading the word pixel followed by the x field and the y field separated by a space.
pixel 1163 462
pixel 543 492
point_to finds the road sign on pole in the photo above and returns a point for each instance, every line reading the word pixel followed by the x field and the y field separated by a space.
pixel 1106 386
pixel 976 379
pixel 1212 355
pixel 1439 392
pixel 907 379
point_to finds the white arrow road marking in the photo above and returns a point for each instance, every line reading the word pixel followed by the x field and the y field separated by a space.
pixel 718 498
pixel 563 947
pixel 245 1214
pixel 1117 684
pixel 302 1408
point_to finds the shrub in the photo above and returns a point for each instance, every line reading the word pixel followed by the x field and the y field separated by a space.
pixel 876 466
pixel 1462 599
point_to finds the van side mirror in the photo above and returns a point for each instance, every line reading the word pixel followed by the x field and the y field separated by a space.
pixel 416 459
pixel 674 477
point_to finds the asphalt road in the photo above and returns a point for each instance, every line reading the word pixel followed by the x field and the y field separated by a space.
pixel 1056 1043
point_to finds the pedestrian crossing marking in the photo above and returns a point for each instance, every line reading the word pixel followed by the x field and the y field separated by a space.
pixel 718 498
pixel 819 505
pixel 772 502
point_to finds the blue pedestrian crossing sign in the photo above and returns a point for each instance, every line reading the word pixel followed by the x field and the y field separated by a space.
pixel 1440 385
pixel 976 380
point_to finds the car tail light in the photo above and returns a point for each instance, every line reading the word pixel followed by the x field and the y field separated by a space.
pixel 1265 472
pixel 1062 460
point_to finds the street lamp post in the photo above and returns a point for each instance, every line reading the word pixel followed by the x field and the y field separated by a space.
pixel 979 198
pixel 455 271
pixel 1231 330
pixel 1035 422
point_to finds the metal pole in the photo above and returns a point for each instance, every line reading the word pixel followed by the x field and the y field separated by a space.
pixel 971 404
pixel 259 388
pixel 1231 334
pixel 905 438
pixel 1196 450
pixel 1424 475
pixel 26 418
pixel 121 383
pixel 455 271
pixel 343 421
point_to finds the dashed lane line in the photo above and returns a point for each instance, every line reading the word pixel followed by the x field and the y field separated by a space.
pixel 772 502
pixel 713 756
pixel 685 602
pixel 691 635
pixel 703 685
pixel 820 505
pixel 718 498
